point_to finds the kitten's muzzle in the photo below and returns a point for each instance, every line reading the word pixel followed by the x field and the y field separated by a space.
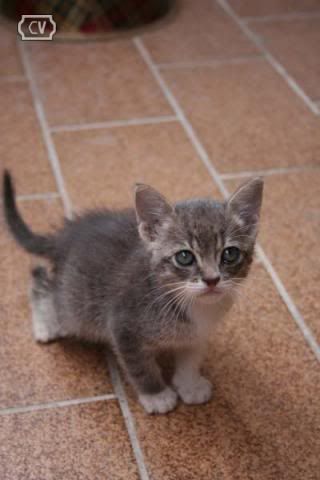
pixel 211 286
pixel 211 281
pixel 211 291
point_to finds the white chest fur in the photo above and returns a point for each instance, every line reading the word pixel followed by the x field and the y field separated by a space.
pixel 206 315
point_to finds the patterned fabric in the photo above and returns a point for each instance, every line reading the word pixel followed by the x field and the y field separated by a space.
pixel 90 16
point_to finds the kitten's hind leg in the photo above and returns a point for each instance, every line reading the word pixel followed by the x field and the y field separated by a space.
pixel 44 318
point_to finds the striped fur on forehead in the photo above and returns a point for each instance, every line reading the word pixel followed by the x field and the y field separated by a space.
pixel 204 223
pixel 206 228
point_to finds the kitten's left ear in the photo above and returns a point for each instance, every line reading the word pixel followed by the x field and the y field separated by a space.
pixel 152 210
pixel 245 204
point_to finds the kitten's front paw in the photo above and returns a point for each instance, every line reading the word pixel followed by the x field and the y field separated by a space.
pixel 199 391
pixel 162 402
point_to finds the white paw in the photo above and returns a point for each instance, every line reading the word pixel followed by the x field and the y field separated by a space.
pixel 44 323
pixel 162 402
pixel 199 391
pixel 41 333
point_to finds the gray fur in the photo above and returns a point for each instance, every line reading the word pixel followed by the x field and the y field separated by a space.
pixel 114 278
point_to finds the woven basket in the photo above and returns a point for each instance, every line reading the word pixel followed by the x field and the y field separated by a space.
pixel 95 18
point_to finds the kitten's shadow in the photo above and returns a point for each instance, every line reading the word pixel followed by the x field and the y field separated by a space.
pixel 84 357
pixel 263 418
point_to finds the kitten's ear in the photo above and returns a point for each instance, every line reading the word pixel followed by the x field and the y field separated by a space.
pixel 152 210
pixel 245 204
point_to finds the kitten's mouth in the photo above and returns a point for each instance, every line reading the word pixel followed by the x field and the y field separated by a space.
pixel 211 291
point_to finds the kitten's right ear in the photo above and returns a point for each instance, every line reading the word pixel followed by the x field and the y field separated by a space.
pixel 152 210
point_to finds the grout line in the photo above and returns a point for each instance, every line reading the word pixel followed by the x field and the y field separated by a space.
pixel 38 196
pixel 267 172
pixel 271 59
pixel 211 63
pixel 295 313
pixel 257 259
pixel 179 112
pixel 219 182
pixel 116 380
pixel 283 17
pixel 128 417
pixel 58 404
pixel 115 123
pixel 13 78
pixel 52 154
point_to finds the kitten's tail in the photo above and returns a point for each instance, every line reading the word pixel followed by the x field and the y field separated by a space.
pixel 32 242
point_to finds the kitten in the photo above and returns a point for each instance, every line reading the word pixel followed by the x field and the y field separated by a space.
pixel 144 280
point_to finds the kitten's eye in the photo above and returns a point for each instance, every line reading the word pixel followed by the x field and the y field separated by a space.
pixel 230 255
pixel 185 258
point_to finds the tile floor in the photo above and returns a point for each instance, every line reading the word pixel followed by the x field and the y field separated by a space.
pixel 224 91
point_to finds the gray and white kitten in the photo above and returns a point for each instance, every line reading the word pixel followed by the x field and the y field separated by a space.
pixel 145 281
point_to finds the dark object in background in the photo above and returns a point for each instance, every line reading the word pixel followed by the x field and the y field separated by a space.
pixel 91 16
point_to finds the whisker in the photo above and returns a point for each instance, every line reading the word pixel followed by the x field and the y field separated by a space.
pixel 160 288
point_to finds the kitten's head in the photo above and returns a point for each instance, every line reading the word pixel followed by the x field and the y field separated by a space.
pixel 201 249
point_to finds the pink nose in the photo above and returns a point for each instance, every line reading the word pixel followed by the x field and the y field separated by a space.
pixel 211 282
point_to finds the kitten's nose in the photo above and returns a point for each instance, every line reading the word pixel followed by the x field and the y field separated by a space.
pixel 212 281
